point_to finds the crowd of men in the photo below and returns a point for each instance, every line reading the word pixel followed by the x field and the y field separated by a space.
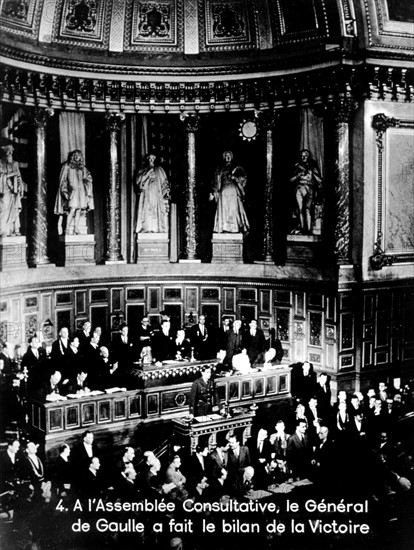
pixel 88 359
pixel 351 448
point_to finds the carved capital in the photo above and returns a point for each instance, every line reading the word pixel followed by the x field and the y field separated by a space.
pixel 114 121
pixel 343 109
pixel 381 123
pixel 191 123
pixel 40 116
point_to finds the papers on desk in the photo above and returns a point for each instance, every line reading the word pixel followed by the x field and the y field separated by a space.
pixel 115 389
pixel 207 418
pixel 283 488
pixel 257 495
pixel 288 487
pixel 84 394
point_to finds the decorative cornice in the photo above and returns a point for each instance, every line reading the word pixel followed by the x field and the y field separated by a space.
pixel 339 87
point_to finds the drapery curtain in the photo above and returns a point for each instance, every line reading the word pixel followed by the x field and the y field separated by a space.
pixel 312 137
pixel 72 134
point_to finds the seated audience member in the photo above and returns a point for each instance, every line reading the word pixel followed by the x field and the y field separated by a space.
pixel 9 465
pixel 279 439
pixel 62 476
pixel 173 473
pixel 50 390
pixel 260 455
pixel 299 451
pixel 182 346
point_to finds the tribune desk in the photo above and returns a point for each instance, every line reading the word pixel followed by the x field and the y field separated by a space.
pixel 188 433
pixel 162 395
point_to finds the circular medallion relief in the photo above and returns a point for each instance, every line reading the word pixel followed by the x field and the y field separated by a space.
pixel 180 399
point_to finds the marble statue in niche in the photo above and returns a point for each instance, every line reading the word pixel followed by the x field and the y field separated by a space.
pixel 154 195
pixel 229 191
pixel 11 193
pixel 308 193
pixel 75 193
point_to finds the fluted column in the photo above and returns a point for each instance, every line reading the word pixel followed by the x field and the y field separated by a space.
pixel 191 127
pixel 269 124
pixel 113 208
pixel 342 113
pixel 37 193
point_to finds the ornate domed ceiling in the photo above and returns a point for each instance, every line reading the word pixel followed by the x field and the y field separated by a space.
pixel 196 36
pixel 135 54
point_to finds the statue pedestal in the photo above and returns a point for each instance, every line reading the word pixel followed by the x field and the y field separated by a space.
pixel 303 249
pixel 13 253
pixel 153 247
pixel 227 248
pixel 76 250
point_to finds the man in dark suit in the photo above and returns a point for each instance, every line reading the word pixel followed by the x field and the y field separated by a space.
pixel 84 451
pixel 234 343
pixel 35 361
pixel 219 457
pixel 260 454
pixel 303 381
pixel 6 355
pixel 182 345
pixel 92 480
pixel 9 465
pixel 62 476
pixel 201 340
pixel 84 335
pixel 60 348
pixel 222 334
pixel 104 373
pixel 238 460
pixel 324 458
pixel 163 342
pixel 144 334
pixel 90 354
pixel 51 387
pixel 122 348
pixel 254 342
pixel 299 451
